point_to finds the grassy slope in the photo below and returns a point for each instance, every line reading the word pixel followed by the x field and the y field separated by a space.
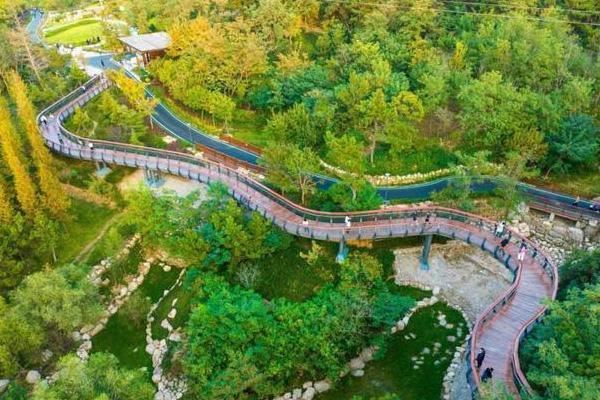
pixel 75 33
pixel 394 373
pixel 126 341
pixel 88 219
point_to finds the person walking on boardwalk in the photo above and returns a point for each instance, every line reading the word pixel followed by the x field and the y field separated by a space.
pixel 348 222
pixel 522 253
pixel 500 229
pixel 480 357
pixel 305 224
pixel 487 374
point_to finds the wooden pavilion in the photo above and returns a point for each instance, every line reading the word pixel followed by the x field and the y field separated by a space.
pixel 147 46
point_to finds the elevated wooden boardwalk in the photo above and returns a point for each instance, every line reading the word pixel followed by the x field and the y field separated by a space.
pixel 498 329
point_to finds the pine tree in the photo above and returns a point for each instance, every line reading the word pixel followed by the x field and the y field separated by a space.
pixel 53 197
pixel 9 142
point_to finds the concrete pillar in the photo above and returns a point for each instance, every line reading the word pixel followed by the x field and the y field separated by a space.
pixel 153 178
pixel 427 239
pixel 342 252
pixel 102 169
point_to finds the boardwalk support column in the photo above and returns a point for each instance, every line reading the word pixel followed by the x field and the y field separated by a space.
pixel 425 254
pixel 153 178
pixel 102 169
pixel 342 252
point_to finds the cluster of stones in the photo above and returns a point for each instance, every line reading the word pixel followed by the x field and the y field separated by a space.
pixel 554 236
pixel 167 388
pixel 98 270
pixel 121 294
pixel 308 391
pixel 390 179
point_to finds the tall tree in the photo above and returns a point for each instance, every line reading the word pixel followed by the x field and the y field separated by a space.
pixel 6 210
pixel 24 186
pixel 54 198
pixel 135 93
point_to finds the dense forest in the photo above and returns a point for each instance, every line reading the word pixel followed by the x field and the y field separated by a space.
pixel 403 85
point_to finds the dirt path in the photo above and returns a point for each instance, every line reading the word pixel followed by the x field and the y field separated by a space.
pixel 88 247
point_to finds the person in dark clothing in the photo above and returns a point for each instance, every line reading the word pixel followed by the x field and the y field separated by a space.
pixel 487 374
pixel 102 63
pixel 480 357
pixel 504 242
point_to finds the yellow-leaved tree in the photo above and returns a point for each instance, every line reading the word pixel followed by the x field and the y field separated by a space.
pixel 53 197
pixel 6 210
pixel 11 151
pixel 135 93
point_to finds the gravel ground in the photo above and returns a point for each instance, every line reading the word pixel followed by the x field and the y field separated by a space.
pixel 181 186
pixel 466 276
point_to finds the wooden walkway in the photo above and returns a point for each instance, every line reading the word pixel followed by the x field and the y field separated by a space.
pixel 498 329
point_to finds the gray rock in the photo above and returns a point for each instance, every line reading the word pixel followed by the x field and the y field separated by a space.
pixel 358 372
pixel 296 393
pixel 309 393
pixel 356 363
pixel 576 234
pixel 33 377
pixel 4 384
pixel 322 386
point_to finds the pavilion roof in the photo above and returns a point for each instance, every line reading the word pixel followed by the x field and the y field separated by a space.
pixel 147 41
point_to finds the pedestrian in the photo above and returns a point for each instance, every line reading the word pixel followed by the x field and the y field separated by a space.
pixel 98 39
pixel 348 222
pixel 595 207
pixel 102 63
pixel 522 252
pixel 44 120
pixel 487 374
pixel 480 357
pixel 305 224
pixel 414 217
pixel 427 217
pixel 82 88
pixel 500 229
pixel 91 146
pixel 576 202
pixel 504 242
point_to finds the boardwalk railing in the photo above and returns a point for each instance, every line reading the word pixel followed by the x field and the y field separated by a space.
pixel 374 224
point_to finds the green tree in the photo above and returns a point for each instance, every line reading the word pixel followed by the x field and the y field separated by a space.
pixel 574 144
pixel 100 377
pixel 563 351
pixel 290 168
pixel 61 299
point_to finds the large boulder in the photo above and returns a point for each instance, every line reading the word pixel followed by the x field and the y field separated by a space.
pixel 3 384
pixel 357 363
pixel 576 234
pixel 33 377
pixel 322 386
pixel 308 394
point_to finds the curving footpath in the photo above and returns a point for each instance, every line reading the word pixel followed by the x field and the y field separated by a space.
pixel 499 329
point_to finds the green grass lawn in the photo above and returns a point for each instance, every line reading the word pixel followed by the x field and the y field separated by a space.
pixel 75 33
pixel 125 340
pixel 395 373
pixel 184 297
pixel 88 219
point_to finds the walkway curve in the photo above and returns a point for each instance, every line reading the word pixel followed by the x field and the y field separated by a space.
pixel 499 329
